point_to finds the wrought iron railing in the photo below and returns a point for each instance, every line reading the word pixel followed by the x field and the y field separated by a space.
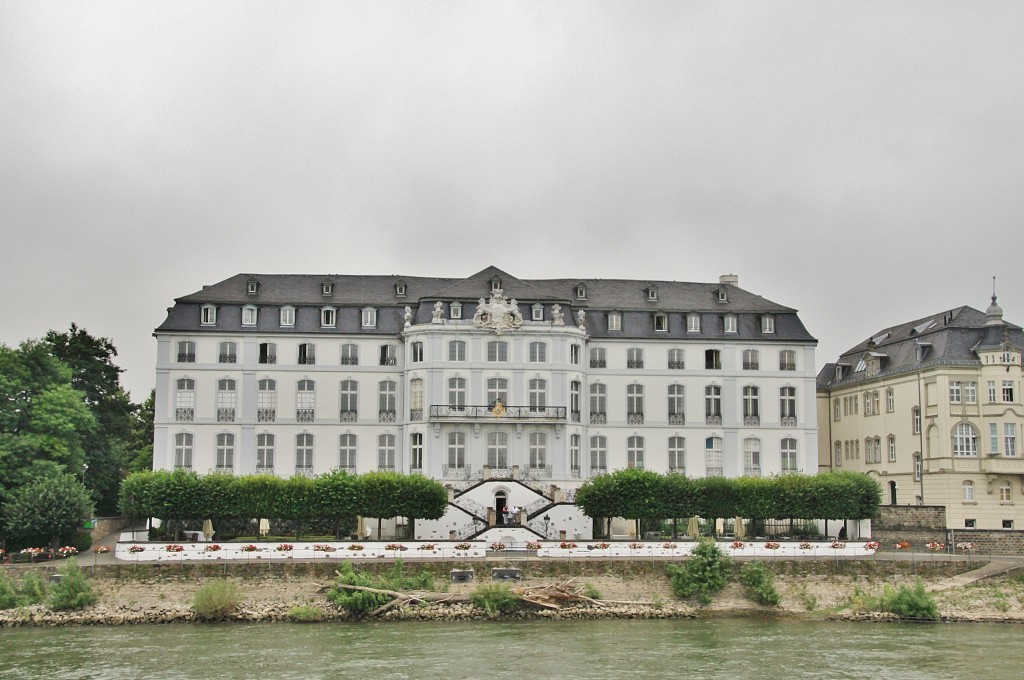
pixel 574 416
pixel 268 359
pixel 472 507
pixel 186 358
pixel 574 472
pixel 598 469
pixel 598 418
pixel 416 414
pixel 537 472
pixel 751 420
pixel 677 365
pixel 634 363
pixel 788 421
pixel 266 415
pixel 264 469
pixel 387 416
pixel 350 361
pixel 598 363
pixel 304 415
pixel 346 416
pixel 713 420
pixel 677 469
pixel 228 469
pixel 303 470
pixel 677 419
pixel 225 415
pixel 752 470
pixel 453 472
pixel 715 472
pixel 635 418
pixel 184 415
pixel 389 361
pixel 446 411
pixel 227 358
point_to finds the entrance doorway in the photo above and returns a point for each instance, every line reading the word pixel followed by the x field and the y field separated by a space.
pixel 500 503
pixel 892 493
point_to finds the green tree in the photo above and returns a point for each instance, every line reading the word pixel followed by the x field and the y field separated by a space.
pixel 381 495
pixel 422 498
pixel 140 438
pixel 48 508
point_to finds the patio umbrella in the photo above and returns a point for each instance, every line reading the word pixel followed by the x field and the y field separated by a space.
pixel 739 528
pixel 208 529
pixel 264 527
pixel 693 528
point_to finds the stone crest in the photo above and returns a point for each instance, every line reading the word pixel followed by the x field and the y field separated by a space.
pixel 498 314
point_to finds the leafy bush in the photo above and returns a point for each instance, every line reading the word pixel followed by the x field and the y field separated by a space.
pixel 705 573
pixel 910 603
pixel 32 590
pixel 216 599
pixel 73 591
pixel 305 613
pixel 495 600
pixel 8 592
pixel 591 591
pixel 361 602
pixel 759 583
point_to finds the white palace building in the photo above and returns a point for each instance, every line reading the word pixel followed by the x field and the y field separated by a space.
pixel 510 391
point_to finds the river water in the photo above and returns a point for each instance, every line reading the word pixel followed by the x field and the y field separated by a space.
pixel 548 650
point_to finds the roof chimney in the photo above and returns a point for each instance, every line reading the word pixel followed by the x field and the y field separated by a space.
pixel 730 279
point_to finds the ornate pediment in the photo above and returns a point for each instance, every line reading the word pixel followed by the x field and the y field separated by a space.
pixel 498 314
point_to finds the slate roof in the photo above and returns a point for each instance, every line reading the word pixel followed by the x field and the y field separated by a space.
pixel 353 292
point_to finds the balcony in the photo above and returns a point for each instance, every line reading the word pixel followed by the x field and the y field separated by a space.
pixel 389 361
pixel 634 363
pixel 350 361
pixel 598 418
pixel 594 363
pixel 303 470
pixel 575 416
pixel 225 415
pixel 636 418
pixel 677 365
pixel 677 419
pixel 266 415
pixel 184 415
pixel 598 470
pixel 574 472
pixel 304 415
pixel 268 358
pixel 676 470
pixel 788 421
pixel 227 358
pixel 715 472
pixel 752 471
pixel 713 420
pixel 345 416
pixel 537 472
pixel 387 416
pixel 751 420
pixel 751 366
pixel 415 414
pixel 225 469
pixel 264 469
pixel 452 472
pixel 513 413
pixel 186 358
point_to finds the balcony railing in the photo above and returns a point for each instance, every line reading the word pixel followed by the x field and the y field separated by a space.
pixel 752 470
pixel 184 415
pixel 225 415
pixel 416 414
pixel 574 416
pixel 598 470
pixel 304 415
pixel 385 466
pixel 634 363
pixel 386 416
pixel 460 472
pixel 346 416
pixel 303 470
pixel 788 421
pixel 350 361
pixel 598 363
pixel 307 360
pixel 266 415
pixel 713 420
pixel 751 366
pixel 226 469
pixel 677 470
pixel 574 472
pixel 264 469
pixel 751 420
pixel 186 358
pixel 635 418
pixel 677 365
pixel 598 418
pixel 716 472
pixel 183 466
pixel 389 361
pixel 348 468
pixel 447 412
pixel 227 358
pixel 677 419
pixel 537 472
pixel 268 359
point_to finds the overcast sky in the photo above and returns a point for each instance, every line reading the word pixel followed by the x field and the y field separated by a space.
pixel 862 162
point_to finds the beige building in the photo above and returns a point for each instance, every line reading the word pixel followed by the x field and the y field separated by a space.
pixel 932 408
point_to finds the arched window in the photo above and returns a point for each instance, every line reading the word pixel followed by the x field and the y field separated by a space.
pixel 677 455
pixel 305 401
pixel 386 452
pixel 349 401
pixel 304 454
pixel 265 454
pixel 538 394
pixel 347 451
pixel 349 354
pixel 227 353
pixel 713 457
pixel 185 400
pixel 497 390
pixel 635 452
pixel 225 452
pixel 386 400
pixel 965 440
pixel 598 404
pixel 787 451
pixel 227 400
pixel 751 360
pixel 598 454
pixel 751 405
pixel 266 401
pixel 457 350
pixel 183 442
pixel 457 393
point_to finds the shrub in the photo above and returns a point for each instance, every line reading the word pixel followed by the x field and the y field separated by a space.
pixel 33 589
pixel 591 591
pixel 759 584
pixel 705 573
pixel 495 600
pixel 216 599
pixel 910 602
pixel 8 592
pixel 305 613
pixel 361 602
pixel 73 591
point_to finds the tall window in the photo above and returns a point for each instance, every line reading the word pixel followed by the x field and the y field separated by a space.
pixel 538 352
pixel 186 352
pixel 1010 439
pixel 369 317
pixel 307 353
pixel 713 404
pixel 497 390
pixel 968 491
pixel 970 392
pixel 713 456
pixel 416 451
pixel 598 404
pixel 954 392
pixel 457 350
pixel 787 360
pixel 225 452
pixel 185 400
pixel 787 451
pixel 416 399
pixel 991 390
pixel 386 399
pixel 264 453
pixel 287 316
pixel 965 440
pixel 1005 493
pixel 837 457
pixel 497 350
pixel 752 457
pixel 349 401
pixel 347 452
pixel 634 358
pixel 574 455
pixel 388 355
pixel 890 400
pixel 751 405
pixel 730 323
pixel 635 404
pixel 574 400
pixel 676 405
pixel 635 452
pixel 892 448
pixel 676 359
pixel 268 353
pixel 266 401
pixel 538 450
pixel 497 449
pixel 208 315
pixel 349 354
pixel 787 406
pixel 1008 390
pixel 456 449
pixel 661 322
pixel 993 436
pixel 538 394
pixel 693 323
pixel 457 393
pixel 386 452
pixel 712 359
pixel 614 321
pixel 303 453
pixel 751 360
pixel 915 419
pixel 677 455
pixel 598 454
pixel 574 354
pixel 183 442
pixel 227 353
pixel 597 358
pixel 417 352
pixel 249 315
pixel 305 401
pixel 227 399
pixel 328 317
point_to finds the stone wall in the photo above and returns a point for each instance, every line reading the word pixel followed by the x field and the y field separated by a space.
pixel 108 525
pixel 915 517
pixel 920 524
pixel 990 541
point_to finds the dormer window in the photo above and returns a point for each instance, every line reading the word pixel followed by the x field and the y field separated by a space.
pixel 455 310
pixel 328 317
pixel 327 287
pixel 661 322
pixel 537 312
pixel 252 286
pixel 839 372
pixel 614 321
pixel 652 293
pixel 287 316
pixel 249 315
pixel 208 315
pixel 581 292
pixel 495 284
pixel 730 323
pixel 723 295
pixel 693 323
pixel 369 317
pixel 767 324
pixel 400 289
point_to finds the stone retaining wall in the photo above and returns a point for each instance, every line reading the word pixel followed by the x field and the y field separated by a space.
pixel 920 524
pixel 108 525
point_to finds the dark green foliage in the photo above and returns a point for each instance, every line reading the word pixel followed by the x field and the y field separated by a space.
pixel 705 573
pixel 759 584
pixel 496 600
pixel 304 613
pixel 48 508
pixel 73 591
pixel 31 590
pixel 361 602
pixel 910 602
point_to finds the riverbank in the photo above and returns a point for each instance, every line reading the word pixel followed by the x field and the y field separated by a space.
pixel 819 590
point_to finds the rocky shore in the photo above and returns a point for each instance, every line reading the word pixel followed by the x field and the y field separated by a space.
pixel 632 592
